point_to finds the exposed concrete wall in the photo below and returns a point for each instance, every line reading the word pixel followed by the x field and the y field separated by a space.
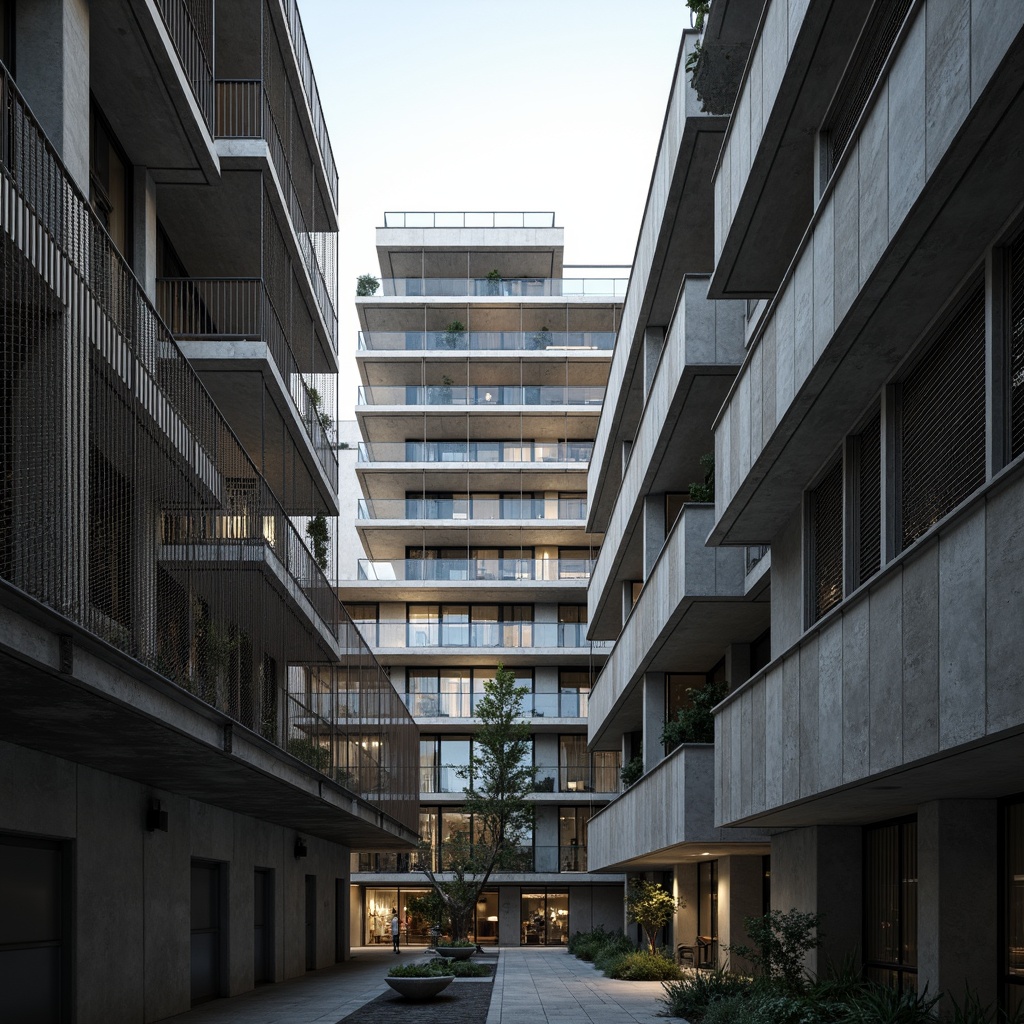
pixel 132 888
pixel 922 662
pixel 788 583
pixel 347 542
pixel 740 888
pixel 817 870
pixel 53 73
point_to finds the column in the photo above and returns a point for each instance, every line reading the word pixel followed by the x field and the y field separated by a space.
pixel 654 530
pixel 653 719
pixel 740 895
pixel 654 342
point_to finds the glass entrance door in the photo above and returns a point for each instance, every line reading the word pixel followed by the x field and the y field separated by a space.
pixel 544 918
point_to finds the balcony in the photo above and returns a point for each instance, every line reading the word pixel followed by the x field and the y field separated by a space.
pixel 909 687
pixel 471 219
pixel 525 859
pixel 463 570
pixel 551 779
pixel 553 510
pixel 482 397
pixel 676 239
pixel 486 341
pixel 190 27
pixel 654 820
pixel 692 606
pixel 228 328
pixel 506 287
pixel 461 704
pixel 863 285
pixel 244 113
pixel 699 360
pixel 400 634
pixel 511 453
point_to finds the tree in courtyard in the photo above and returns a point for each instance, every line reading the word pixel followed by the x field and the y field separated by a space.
pixel 500 777
pixel 650 906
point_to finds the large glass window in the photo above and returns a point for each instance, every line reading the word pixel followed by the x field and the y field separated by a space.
pixel 544 918
pixel 826 531
pixel 573 690
pixel 572 837
pixel 453 692
pixel 1013 905
pixel 707 911
pixel 890 904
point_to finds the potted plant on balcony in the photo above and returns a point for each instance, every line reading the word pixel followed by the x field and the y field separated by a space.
pixel 541 339
pixel 455 335
pixel 318 532
pixel 695 723
pixel 705 492
pixel 493 282
pixel 366 285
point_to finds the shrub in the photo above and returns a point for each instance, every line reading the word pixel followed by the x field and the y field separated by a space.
pixel 463 968
pixel 878 1004
pixel 706 490
pixel 366 284
pixel 973 1012
pixel 456 943
pixel 632 771
pixel 691 995
pixel 588 945
pixel 780 942
pixel 696 723
pixel 435 969
pixel 616 946
pixel 642 965
pixel 770 1005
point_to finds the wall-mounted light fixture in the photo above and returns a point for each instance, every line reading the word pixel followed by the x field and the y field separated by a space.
pixel 301 849
pixel 156 817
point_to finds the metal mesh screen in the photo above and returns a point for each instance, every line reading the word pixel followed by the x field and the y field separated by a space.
pixel 880 31
pixel 1015 269
pixel 128 505
pixel 869 511
pixel 827 542
pixel 943 422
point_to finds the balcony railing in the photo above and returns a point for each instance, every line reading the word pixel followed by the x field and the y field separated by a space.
pixel 575 778
pixel 494 396
pixel 240 309
pixel 244 111
pixel 113 425
pixel 312 93
pixel 469 219
pixel 454 570
pixel 486 341
pixel 755 552
pixel 506 287
pixel 515 452
pixel 456 509
pixel 462 703
pixel 189 23
pixel 546 859
pixel 399 633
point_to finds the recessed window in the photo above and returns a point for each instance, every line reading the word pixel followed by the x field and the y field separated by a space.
pixel 890 904
pixel 869 501
pixel 826 570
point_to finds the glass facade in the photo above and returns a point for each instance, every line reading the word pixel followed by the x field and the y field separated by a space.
pixel 1012 898
pixel 890 904
pixel 544 918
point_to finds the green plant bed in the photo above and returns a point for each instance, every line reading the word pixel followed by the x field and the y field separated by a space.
pixel 437 968
pixel 642 965
pixel 456 950
pixel 465 968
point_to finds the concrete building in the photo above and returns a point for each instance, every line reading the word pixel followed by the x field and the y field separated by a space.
pixel 194 734
pixel 867 248
pixel 483 364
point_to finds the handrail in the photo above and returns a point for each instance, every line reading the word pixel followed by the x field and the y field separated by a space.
pixel 474 507
pixel 505 287
pixel 512 453
pixel 453 570
pixel 486 341
pixel 193 44
pixel 493 396
pixel 468 219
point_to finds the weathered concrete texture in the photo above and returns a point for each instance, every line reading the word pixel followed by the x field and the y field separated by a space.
pixel 864 283
pixel 132 888
pixel 740 895
pixel 957 841
pixel 914 666
pixel 818 870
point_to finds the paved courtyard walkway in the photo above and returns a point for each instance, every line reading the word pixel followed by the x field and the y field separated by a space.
pixel 532 986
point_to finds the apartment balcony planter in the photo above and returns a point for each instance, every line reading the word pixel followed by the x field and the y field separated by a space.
pixel 908 688
pixel 701 354
pixel 229 328
pixel 676 237
pixel 861 280
pixel 691 607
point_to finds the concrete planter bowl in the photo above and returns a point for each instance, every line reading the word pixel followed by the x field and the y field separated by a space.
pixel 419 988
pixel 455 952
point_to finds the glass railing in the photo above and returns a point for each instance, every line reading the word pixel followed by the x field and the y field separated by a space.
pixel 486 341
pixel 454 570
pixel 462 704
pixel 516 452
pixel 574 509
pixel 496 395
pixel 384 633
pixel 469 219
pixel 575 778
pixel 525 858
pixel 506 287
pixel 754 554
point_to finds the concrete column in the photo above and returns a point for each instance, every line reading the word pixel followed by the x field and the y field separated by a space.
pixel 144 231
pixel 545 838
pixel 627 599
pixel 737 664
pixel 653 718
pixel 53 73
pixel 508 915
pixel 740 895
pixel 654 530
pixel 818 870
pixel 627 449
pixel 685 890
pixel 957 908
pixel 654 342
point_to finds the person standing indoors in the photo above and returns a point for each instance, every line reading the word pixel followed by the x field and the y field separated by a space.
pixel 394 928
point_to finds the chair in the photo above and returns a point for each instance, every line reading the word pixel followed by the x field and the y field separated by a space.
pixel 687 954
pixel 704 943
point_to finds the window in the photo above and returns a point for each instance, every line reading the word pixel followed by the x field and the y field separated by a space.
pixel 890 904
pixel 453 692
pixel 1012 899
pixel 111 544
pixel 707 909
pixel 545 918
pixel 572 838
pixel 942 422
pixel 1015 297
pixel 826 529
pixel 869 501
pixel 574 686
pixel 109 182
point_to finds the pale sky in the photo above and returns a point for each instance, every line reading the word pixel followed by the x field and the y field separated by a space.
pixel 476 105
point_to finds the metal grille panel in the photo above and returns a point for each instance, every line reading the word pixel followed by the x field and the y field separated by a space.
pixel 873 49
pixel 869 512
pixel 943 422
pixel 1016 303
pixel 827 534
pixel 129 506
